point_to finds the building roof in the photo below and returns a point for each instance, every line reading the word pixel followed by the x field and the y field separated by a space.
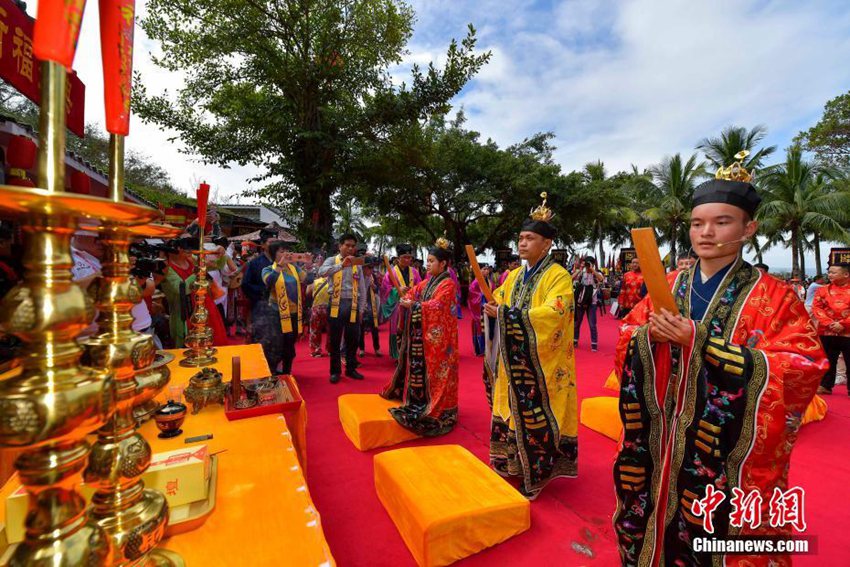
pixel 282 234
pixel 150 196
pixel 252 211
pixel 11 126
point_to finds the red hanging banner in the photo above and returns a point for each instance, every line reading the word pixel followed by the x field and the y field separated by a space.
pixel 20 68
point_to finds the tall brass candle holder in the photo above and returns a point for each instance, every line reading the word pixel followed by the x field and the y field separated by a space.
pixel 200 338
pixel 55 402
pixel 133 517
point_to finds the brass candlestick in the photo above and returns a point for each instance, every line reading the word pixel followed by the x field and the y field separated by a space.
pixel 200 338
pixel 133 517
pixel 55 402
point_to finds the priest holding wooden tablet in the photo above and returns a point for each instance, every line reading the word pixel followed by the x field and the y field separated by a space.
pixel 530 369
pixel 713 389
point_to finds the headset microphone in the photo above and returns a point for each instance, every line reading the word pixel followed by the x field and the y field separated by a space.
pixel 722 244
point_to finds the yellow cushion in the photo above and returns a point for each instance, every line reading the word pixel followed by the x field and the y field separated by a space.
pixel 613 382
pixel 446 503
pixel 367 422
pixel 815 411
pixel 602 415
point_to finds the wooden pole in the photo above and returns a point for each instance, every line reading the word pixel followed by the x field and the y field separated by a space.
pixel 479 277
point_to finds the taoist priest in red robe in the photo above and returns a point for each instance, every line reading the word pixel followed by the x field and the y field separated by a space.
pixel 712 399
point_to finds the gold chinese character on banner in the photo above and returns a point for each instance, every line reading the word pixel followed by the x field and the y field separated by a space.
pixel 4 27
pixel 23 53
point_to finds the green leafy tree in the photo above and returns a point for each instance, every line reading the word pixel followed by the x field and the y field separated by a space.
pixel 295 88
pixel 829 139
pixel 720 151
pixel 441 177
pixel 16 106
pixel 140 171
pixel 390 230
pixel 672 199
pixel 800 197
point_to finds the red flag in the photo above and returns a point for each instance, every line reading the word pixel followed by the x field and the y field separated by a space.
pixel 203 196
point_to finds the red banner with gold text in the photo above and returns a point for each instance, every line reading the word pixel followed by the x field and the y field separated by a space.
pixel 20 68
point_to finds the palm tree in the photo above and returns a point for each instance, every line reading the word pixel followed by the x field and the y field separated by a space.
pixel 350 219
pixel 675 181
pixel 830 181
pixel 800 197
pixel 611 210
pixel 772 239
pixel 721 151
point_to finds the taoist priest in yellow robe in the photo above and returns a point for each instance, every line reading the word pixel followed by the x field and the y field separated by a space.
pixel 530 365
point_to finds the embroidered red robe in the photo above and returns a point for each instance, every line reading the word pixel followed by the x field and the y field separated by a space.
pixel 722 411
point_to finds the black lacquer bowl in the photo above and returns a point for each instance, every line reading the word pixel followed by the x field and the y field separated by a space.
pixel 169 418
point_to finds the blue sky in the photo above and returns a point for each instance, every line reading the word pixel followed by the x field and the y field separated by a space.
pixel 624 81
pixel 632 81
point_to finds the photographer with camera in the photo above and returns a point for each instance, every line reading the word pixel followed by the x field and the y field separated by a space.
pixel 586 279
pixel 143 265
pixel 347 292
pixel 213 224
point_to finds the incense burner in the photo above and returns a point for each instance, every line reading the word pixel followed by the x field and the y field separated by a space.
pixel 205 387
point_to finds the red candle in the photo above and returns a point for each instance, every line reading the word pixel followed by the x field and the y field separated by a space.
pixel 203 196
pixel 57 29
pixel 117 23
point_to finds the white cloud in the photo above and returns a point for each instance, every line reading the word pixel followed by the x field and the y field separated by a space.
pixel 632 81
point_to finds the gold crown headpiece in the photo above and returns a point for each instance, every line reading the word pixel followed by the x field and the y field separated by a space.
pixel 542 213
pixel 443 242
pixel 736 171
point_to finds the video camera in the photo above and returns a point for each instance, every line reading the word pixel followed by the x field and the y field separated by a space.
pixel 148 261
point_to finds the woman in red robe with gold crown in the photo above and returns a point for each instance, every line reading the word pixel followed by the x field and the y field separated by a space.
pixel 426 377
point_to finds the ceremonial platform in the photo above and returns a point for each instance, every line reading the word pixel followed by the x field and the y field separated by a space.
pixel 389 506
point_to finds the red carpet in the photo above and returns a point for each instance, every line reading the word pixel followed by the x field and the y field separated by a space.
pixel 571 520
